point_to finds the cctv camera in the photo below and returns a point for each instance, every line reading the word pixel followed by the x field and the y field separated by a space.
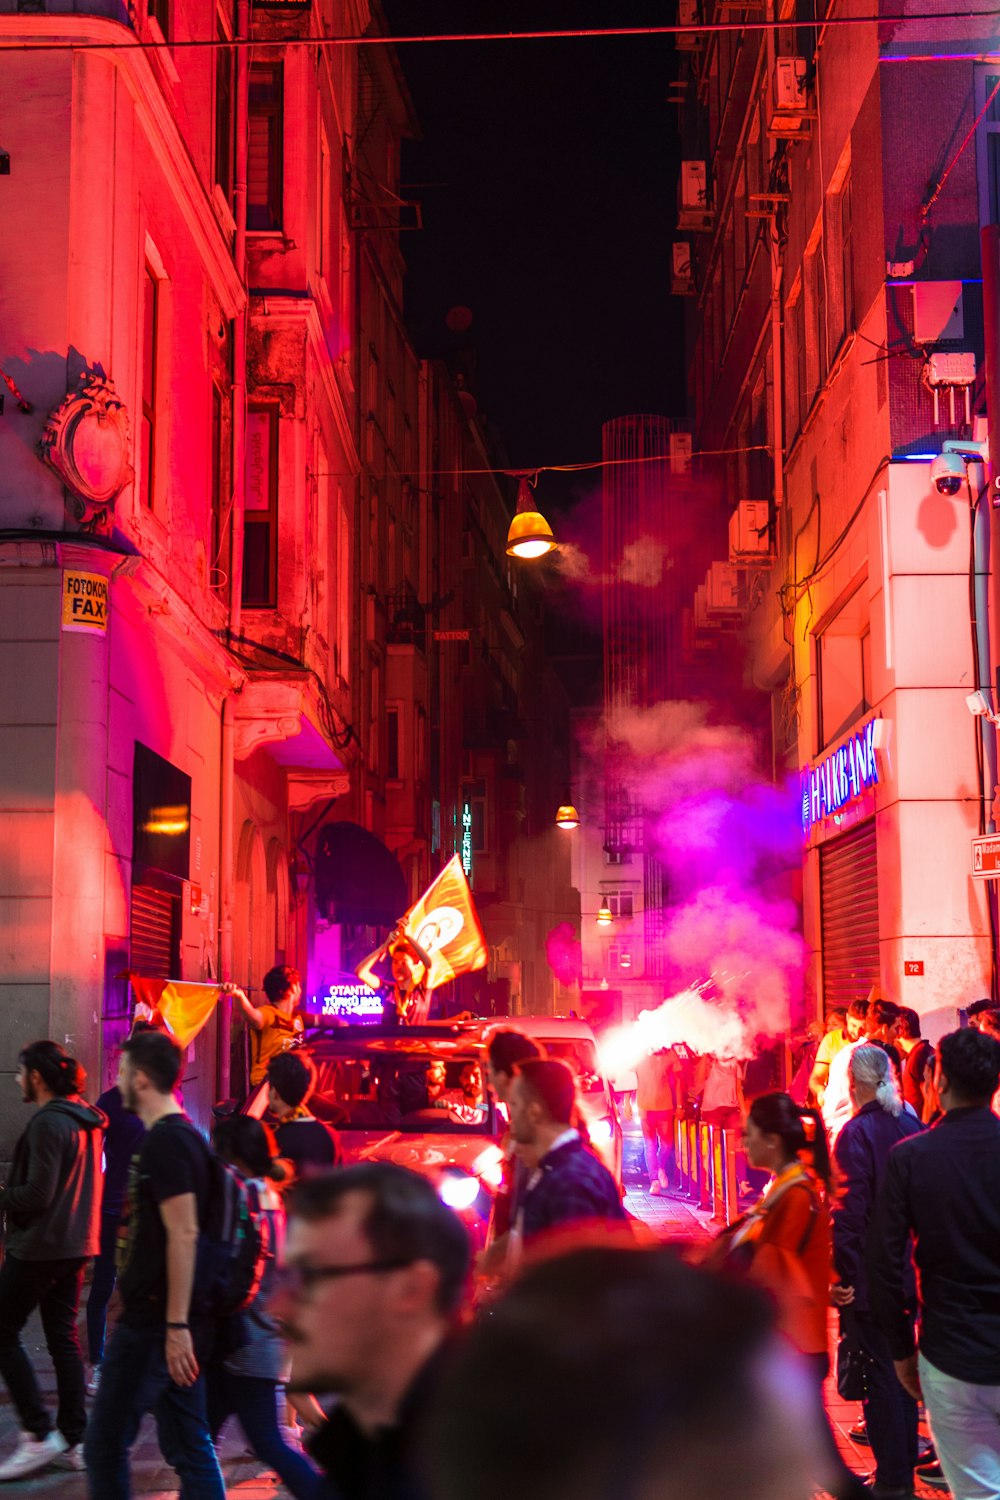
pixel 978 704
pixel 948 473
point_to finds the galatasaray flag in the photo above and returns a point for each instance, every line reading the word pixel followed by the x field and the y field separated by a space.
pixel 183 1008
pixel 446 926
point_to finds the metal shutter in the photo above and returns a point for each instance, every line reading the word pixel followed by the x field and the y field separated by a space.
pixel 848 877
pixel 154 932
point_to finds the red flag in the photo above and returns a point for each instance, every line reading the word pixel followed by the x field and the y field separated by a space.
pixel 181 1008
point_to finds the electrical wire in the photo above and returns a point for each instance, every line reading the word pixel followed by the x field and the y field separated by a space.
pixel 576 33
pixel 532 472
pixel 926 207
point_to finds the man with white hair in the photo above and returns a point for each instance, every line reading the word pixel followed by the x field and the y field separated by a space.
pixel 862 1151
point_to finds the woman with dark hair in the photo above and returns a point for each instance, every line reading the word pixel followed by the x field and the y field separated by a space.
pixel 250 1382
pixel 52 1202
pixel 788 1236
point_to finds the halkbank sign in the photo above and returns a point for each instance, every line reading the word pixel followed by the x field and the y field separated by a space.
pixel 840 777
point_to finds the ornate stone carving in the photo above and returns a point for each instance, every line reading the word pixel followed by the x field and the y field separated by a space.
pixel 86 442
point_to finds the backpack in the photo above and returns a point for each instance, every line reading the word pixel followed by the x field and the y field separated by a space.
pixel 234 1245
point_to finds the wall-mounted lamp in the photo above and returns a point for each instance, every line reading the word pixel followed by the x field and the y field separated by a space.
pixel 530 535
pixel 567 816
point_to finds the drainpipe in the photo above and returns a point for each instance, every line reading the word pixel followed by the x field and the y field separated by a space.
pixel 239 400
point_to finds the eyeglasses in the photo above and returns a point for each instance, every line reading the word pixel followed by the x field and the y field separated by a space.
pixel 296 1279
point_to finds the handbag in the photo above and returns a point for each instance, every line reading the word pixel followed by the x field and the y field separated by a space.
pixel 852 1366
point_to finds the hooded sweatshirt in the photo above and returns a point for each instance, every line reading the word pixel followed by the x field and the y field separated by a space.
pixel 52 1199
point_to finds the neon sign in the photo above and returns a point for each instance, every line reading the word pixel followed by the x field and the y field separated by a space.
pixel 839 777
pixel 467 838
pixel 348 1002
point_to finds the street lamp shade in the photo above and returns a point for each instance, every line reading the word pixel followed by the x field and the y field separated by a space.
pixel 604 917
pixel 567 816
pixel 530 535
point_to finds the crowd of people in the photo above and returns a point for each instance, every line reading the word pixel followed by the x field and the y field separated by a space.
pixel 369 1358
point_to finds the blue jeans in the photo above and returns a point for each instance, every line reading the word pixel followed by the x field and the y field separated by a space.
pixel 102 1284
pixel 890 1414
pixel 134 1380
pixel 965 1425
pixel 255 1402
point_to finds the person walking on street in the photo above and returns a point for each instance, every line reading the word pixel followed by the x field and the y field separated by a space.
pixel 862 1155
pixel 276 1026
pixel 52 1202
pixel 153 1361
pixel 570 1185
pixel 375 1275
pixel 309 1144
pixel 122 1135
pixel 788 1236
pixel 942 1187
pixel 658 1079
pixel 249 1383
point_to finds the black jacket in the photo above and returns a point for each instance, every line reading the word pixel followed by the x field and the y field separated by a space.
pixel 386 1466
pixel 862 1153
pixel 943 1187
pixel 572 1187
pixel 53 1197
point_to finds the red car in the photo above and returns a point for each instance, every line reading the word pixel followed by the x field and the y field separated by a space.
pixel 415 1097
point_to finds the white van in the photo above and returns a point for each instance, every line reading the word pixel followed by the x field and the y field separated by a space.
pixel 572 1041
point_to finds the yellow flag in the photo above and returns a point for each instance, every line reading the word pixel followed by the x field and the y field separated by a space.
pixel 181 1007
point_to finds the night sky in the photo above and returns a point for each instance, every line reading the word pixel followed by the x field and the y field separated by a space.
pixel 547 176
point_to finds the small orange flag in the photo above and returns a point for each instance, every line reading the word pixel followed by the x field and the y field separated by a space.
pixel 183 1008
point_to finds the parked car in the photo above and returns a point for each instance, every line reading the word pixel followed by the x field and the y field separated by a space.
pixel 573 1041
pixel 383 1092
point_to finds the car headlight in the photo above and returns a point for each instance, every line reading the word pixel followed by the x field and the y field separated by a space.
pixel 488 1167
pixel 601 1131
pixel 458 1190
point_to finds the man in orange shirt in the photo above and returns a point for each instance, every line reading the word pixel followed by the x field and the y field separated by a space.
pixel 276 1026
pixel 656 1098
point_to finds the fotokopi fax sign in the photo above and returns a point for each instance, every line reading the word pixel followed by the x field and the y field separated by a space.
pixel 85 602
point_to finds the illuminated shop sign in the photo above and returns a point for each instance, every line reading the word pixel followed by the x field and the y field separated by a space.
pixel 347 1002
pixel 839 777
pixel 467 838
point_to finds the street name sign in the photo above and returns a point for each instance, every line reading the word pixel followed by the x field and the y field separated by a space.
pixel 986 858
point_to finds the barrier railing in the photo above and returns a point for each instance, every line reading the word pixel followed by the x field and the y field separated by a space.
pixel 706 1165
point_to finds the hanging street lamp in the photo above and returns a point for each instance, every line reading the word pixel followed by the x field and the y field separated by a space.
pixel 530 535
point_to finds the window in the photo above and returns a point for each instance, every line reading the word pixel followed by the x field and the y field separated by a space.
pixel 264 166
pixel 218 577
pixel 392 744
pixel 342 639
pixel 224 114
pixel 817 352
pixel 796 379
pixel 150 351
pixel 260 523
pixel 619 903
pixel 839 242
pixel 988 147
pixel 843 663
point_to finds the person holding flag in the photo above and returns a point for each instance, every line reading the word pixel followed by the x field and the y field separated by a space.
pixel 438 939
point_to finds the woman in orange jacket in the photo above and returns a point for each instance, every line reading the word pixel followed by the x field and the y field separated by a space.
pixel 788 1244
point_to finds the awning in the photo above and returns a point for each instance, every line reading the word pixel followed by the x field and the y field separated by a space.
pixel 357 878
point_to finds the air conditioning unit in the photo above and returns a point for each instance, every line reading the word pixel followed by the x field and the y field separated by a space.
pixel 749 532
pixel 680 453
pixel 688 14
pixel 789 98
pixel 695 211
pixel 722 591
pixel 681 269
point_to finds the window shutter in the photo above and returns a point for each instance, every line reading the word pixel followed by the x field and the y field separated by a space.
pixel 848 873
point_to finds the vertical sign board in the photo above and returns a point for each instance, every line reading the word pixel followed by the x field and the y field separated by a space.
pixel 85 602
pixel 467 838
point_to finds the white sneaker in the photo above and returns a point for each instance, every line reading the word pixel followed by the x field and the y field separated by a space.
pixel 94 1381
pixel 70 1458
pixel 32 1454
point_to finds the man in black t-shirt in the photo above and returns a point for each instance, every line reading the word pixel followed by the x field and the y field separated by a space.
pixel 309 1144
pixel 152 1360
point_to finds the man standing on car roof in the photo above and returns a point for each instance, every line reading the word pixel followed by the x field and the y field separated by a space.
pixel 276 1026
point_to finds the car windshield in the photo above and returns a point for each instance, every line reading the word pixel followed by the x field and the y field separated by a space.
pixel 581 1055
pixel 399 1085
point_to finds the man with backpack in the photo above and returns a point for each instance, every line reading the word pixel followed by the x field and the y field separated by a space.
pixel 153 1361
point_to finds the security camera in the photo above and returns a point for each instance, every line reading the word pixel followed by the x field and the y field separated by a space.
pixel 978 704
pixel 948 473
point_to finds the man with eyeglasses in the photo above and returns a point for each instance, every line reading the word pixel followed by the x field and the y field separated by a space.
pixel 376 1268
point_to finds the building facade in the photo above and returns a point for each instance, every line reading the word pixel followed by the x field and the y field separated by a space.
pixel 829 249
